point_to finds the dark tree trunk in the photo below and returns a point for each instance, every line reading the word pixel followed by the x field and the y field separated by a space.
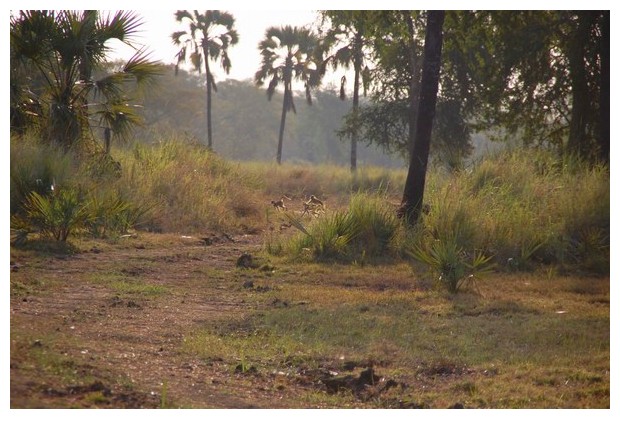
pixel 577 138
pixel 282 122
pixel 604 136
pixel 413 195
pixel 209 84
pixel 356 98
pixel 414 87
pixel 107 139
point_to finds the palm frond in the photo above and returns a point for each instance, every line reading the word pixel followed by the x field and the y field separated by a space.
pixel 123 25
pixel 177 35
pixel 196 60
pixel 119 116
pixel 180 14
pixel 142 69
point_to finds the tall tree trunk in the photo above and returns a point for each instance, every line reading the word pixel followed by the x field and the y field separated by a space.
pixel 414 87
pixel 89 22
pixel 282 122
pixel 604 136
pixel 577 138
pixel 356 101
pixel 107 139
pixel 209 84
pixel 413 195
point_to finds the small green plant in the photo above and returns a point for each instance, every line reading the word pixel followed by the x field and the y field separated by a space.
pixel 526 254
pixel 112 214
pixel 328 238
pixel 56 215
pixel 163 402
pixel 366 230
pixel 448 261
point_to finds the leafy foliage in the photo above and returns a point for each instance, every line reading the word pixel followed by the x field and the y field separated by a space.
pixel 537 73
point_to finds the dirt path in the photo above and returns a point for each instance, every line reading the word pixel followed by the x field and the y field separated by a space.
pixel 130 345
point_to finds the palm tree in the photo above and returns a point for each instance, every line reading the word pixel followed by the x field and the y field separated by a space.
pixel 61 50
pixel 287 54
pixel 346 35
pixel 209 36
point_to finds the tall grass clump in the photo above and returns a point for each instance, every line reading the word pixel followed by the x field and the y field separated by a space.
pixel 110 213
pixel 368 230
pixel 334 183
pixel 35 167
pixel 190 188
pixel 57 193
pixel 526 207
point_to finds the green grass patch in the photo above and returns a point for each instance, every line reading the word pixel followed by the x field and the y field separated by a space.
pixel 503 347
pixel 128 286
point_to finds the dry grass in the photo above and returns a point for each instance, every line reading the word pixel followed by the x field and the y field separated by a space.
pixel 516 342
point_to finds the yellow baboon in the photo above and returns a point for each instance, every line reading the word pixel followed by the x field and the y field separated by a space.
pixel 315 201
pixel 313 206
pixel 279 204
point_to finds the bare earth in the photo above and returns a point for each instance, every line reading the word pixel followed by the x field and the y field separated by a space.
pixel 128 346
pixel 109 326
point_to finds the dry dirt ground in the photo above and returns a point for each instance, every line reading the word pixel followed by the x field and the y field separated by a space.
pixel 127 347
pixel 108 326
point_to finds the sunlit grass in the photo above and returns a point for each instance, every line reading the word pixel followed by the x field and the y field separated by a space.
pixel 510 344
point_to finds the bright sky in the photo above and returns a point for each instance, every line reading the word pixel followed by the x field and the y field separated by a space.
pixel 250 24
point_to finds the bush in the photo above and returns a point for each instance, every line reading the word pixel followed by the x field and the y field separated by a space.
pixel 56 215
pixel 449 263
pixel 109 213
pixel 366 231
pixel 35 167
pixel 526 207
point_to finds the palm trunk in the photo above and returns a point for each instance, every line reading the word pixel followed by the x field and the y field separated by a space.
pixel 282 122
pixel 107 139
pixel 413 195
pixel 209 84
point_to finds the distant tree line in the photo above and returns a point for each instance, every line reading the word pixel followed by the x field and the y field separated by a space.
pixel 246 125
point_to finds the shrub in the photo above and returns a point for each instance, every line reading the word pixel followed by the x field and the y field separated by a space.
pixel 56 215
pixel 110 213
pixel 367 230
pixel 34 168
pixel 449 263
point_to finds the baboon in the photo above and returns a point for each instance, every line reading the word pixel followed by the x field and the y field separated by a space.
pixel 313 206
pixel 315 201
pixel 279 204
